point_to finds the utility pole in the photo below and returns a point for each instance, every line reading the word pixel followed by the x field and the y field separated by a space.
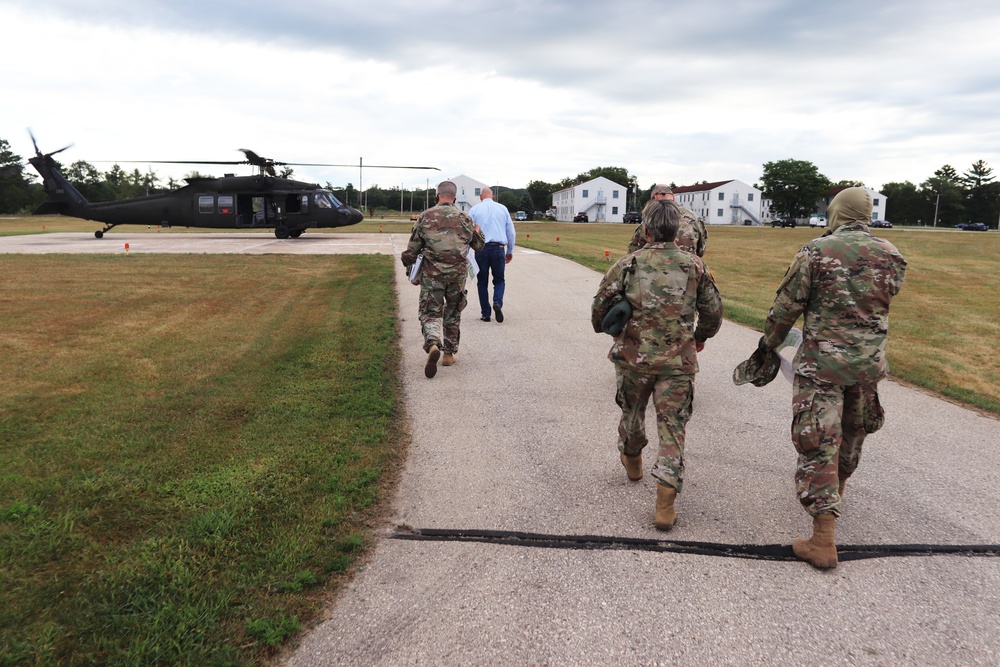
pixel 936 202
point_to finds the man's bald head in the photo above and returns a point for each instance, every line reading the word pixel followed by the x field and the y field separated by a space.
pixel 486 193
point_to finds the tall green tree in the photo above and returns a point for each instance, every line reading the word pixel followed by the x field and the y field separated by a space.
pixel 793 186
pixel 86 178
pixel 15 188
pixel 617 175
pixel 904 204
pixel 945 197
pixel 981 193
pixel 541 194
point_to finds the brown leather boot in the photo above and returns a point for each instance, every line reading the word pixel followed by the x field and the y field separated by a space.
pixel 448 359
pixel 840 488
pixel 431 367
pixel 666 517
pixel 819 550
pixel 633 466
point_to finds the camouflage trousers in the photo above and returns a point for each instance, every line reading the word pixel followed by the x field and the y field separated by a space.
pixel 828 430
pixel 672 399
pixel 440 309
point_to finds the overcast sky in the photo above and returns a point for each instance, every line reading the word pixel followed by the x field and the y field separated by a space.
pixel 508 92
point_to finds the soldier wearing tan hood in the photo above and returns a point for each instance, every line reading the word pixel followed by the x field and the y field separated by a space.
pixel 842 284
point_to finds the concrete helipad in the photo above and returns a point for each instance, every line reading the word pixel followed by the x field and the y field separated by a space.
pixel 516 538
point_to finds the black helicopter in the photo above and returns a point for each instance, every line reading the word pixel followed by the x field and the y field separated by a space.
pixel 231 202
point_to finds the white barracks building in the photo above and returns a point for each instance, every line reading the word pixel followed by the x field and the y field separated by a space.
pixel 723 202
pixel 600 198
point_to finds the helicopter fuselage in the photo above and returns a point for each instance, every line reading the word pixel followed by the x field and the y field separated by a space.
pixel 231 202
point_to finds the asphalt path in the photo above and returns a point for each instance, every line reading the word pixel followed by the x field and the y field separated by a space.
pixel 515 537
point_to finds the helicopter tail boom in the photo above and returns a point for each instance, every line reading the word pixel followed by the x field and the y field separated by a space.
pixel 63 197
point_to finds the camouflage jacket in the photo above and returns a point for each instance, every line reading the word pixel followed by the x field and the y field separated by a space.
pixel 692 235
pixel 443 234
pixel 669 290
pixel 842 284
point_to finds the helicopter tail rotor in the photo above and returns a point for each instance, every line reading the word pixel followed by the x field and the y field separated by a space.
pixel 38 152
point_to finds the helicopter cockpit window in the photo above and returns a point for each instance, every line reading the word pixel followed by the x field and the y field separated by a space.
pixel 322 200
pixel 206 204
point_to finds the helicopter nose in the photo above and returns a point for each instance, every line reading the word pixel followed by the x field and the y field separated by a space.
pixel 356 216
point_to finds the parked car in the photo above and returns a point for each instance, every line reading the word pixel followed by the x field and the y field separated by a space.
pixel 783 222
pixel 976 227
pixel 550 214
pixel 581 217
pixel 632 217
pixel 520 215
pixel 885 224
pixel 961 225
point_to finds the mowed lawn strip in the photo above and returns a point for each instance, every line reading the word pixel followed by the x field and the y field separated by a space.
pixel 194 448
pixel 943 326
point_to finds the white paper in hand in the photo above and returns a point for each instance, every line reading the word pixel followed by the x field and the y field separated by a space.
pixel 415 270
pixel 792 342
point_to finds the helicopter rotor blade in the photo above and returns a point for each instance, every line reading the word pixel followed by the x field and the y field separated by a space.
pixel 174 161
pixel 367 166
pixel 32 135
pixel 38 151
pixel 60 150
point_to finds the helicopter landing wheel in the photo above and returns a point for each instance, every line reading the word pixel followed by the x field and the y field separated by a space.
pixel 281 232
pixel 296 233
pixel 99 234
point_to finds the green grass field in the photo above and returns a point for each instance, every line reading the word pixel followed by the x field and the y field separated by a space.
pixel 193 449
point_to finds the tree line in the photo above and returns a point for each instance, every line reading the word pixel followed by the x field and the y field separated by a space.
pixel 793 186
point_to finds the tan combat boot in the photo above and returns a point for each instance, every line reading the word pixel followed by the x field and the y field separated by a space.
pixel 633 466
pixel 819 550
pixel 666 517
pixel 840 488
pixel 431 367
pixel 448 359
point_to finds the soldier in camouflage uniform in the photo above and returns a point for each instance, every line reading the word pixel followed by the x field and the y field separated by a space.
pixel 842 283
pixel 692 235
pixel 656 353
pixel 443 235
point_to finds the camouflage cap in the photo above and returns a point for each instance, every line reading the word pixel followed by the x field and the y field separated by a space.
pixel 616 319
pixel 759 369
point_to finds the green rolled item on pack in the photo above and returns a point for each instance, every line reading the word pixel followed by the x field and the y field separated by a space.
pixel 616 319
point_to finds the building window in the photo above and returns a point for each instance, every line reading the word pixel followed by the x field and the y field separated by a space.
pixel 586 193
pixel 478 190
pixel 614 209
pixel 614 195
pixel 206 204
pixel 722 196
pixel 875 202
pixel 749 196
pixel 719 215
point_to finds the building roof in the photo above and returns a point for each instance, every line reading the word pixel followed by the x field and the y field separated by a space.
pixel 701 187
pixel 596 178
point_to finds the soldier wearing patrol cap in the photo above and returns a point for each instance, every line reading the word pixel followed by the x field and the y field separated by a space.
pixel 842 283
pixel 655 346
pixel 692 235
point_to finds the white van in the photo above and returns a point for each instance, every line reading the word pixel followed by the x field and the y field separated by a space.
pixel 817 220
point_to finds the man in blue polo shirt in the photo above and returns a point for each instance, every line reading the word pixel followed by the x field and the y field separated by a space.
pixel 498 228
